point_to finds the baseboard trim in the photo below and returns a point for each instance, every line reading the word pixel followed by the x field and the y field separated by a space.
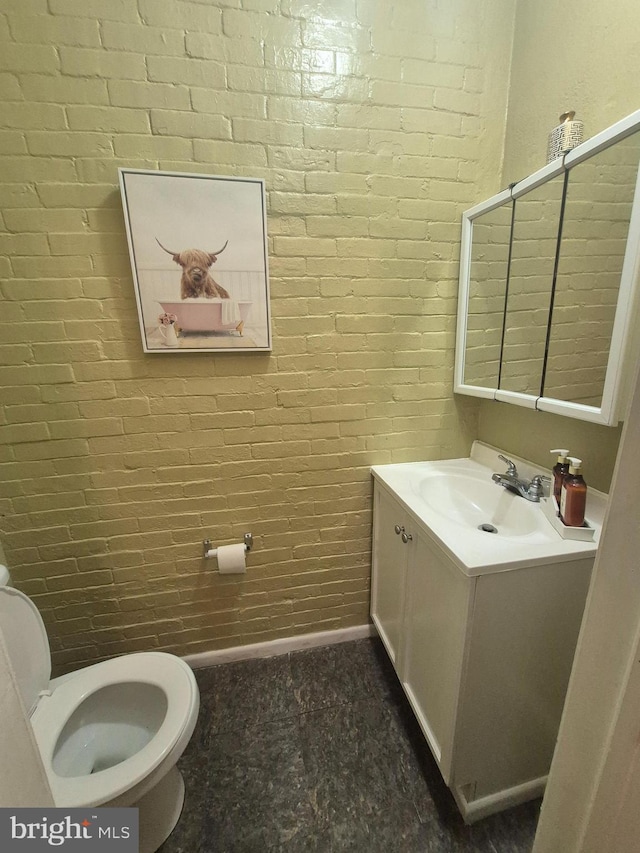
pixel 270 648
pixel 484 806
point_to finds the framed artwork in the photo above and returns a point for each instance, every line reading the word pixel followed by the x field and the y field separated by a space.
pixel 198 247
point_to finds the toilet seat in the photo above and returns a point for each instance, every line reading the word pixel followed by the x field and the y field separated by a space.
pixel 169 673
pixel 27 644
pixel 51 704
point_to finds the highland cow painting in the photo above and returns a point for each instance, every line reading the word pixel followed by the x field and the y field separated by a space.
pixel 198 247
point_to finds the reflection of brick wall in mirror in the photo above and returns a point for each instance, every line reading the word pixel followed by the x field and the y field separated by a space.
pixel 487 282
pixel 535 235
pixel 595 228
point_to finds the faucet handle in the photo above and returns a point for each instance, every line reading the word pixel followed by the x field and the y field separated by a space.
pixel 535 487
pixel 511 470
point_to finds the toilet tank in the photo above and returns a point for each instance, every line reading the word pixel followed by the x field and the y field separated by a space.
pixel 5 576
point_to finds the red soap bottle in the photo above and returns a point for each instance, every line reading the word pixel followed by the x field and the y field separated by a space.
pixel 573 498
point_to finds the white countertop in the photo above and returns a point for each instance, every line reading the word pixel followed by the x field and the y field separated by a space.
pixel 475 551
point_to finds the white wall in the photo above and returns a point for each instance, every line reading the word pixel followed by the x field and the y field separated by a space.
pixel 607 642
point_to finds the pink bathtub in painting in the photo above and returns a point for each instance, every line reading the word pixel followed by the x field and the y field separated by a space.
pixel 209 315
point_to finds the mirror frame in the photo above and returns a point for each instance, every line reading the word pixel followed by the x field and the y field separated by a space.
pixel 624 347
pixel 465 288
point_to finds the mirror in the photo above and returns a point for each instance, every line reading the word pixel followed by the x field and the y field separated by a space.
pixel 533 256
pixel 547 283
pixel 595 230
pixel 489 265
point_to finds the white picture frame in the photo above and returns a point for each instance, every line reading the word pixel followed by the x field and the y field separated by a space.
pixel 198 249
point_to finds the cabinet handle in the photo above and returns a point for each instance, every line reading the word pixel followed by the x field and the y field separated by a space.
pixel 398 529
pixel 406 537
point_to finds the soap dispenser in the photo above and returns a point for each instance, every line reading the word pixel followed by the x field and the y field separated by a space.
pixel 573 498
pixel 560 470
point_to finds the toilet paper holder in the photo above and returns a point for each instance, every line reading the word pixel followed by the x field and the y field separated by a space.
pixel 211 552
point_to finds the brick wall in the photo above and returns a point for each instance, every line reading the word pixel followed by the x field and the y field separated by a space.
pixel 373 126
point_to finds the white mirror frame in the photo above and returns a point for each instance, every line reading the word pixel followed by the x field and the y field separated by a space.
pixel 464 291
pixel 624 347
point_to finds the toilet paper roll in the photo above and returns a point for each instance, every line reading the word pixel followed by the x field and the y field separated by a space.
pixel 231 559
pixel 566 136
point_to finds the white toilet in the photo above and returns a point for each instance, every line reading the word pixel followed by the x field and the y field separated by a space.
pixel 109 734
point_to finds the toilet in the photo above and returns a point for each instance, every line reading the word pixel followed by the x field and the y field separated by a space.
pixel 109 734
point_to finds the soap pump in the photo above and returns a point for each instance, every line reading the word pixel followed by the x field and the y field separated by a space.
pixel 573 499
pixel 560 471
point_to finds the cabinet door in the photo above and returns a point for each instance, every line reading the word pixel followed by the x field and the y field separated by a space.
pixel 389 563
pixel 438 597
pixel 523 636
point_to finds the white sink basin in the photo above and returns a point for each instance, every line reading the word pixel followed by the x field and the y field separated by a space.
pixel 478 502
pixel 483 526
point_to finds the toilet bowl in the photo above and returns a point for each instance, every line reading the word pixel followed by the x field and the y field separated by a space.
pixel 109 734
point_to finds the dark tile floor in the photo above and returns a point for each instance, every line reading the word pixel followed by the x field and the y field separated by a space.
pixel 318 752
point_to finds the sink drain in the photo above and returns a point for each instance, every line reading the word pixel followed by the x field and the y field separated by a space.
pixel 487 528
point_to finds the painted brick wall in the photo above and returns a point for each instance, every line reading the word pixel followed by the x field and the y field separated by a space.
pixel 374 126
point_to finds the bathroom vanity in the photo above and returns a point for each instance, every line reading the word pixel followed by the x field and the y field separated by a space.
pixel 481 626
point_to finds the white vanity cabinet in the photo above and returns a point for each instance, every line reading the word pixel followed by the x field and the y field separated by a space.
pixel 484 660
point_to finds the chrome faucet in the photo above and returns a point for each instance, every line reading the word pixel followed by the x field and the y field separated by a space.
pixel 530 490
